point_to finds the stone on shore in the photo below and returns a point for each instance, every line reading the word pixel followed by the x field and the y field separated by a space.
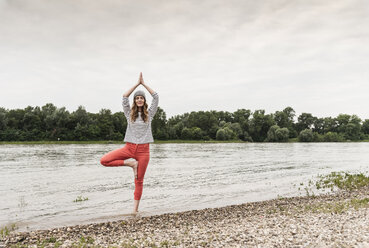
pixel 331 220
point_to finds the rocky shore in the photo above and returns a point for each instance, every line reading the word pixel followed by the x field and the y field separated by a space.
pixel 331 220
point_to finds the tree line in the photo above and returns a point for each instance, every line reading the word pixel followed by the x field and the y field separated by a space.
pixel 52 123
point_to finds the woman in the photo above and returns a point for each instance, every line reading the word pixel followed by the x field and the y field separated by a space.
pixel 137 138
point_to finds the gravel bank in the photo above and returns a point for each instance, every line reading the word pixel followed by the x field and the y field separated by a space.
pixel 335 220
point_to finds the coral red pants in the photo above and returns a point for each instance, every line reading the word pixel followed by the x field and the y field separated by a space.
pixel 140 152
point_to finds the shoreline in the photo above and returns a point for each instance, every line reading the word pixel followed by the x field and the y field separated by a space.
pixel 327 220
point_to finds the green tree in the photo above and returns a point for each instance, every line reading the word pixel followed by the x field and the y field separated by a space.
pixel 223 116
pixel 329 125
pixel 285 119
pixel 260 124
pixel 159 125
pixel 186 133
pixel 318 125
pixel 176 130
pixel 332 137
pixel 175 126
pixel 282 134
pixel 30 119
pixel 277 134
pixel 349 126
pixel 3 119
pixel 271 136
pixel 306 135
pixel 81 132
pixel 57 124
pixel 80 116
pixel 305 121
pixel 197 133
pixel 365 126
pixel 120 125
pixel 221 134
pixel 15 118
pixel 105 124
pixel 352 132
pixel 225 133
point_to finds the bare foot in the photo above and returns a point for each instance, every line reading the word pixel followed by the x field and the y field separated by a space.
pixel 133 165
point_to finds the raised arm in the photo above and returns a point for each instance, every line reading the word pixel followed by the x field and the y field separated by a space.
pixel 129 92
pixel 148 88
pixel 155 101
pixel 125 102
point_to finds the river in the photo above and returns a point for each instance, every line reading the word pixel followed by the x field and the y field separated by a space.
pixel 40 183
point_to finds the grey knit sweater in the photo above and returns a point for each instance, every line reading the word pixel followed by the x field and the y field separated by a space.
pixel 139 132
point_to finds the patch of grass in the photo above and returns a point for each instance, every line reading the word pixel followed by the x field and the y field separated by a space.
pixel 271 211
pixel 337 207
pixel 204 243
pixel 6 230
pixel 128 245
pixel 51 240
pixel 279 197
pixel 48 241
pixel 19 246
pixel 176 243
pixel 360 203
pixel 342 181
pixel 84 242
pixel 164 243
pixel 80 198
pixel 41 244
pixel 87 240
pixel 336 181
pixel 57 244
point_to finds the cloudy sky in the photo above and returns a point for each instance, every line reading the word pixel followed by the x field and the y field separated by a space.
pixel 198 55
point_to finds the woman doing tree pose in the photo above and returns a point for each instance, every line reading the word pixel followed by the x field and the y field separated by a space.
pixel 138 136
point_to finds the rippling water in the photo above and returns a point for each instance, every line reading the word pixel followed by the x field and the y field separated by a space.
pixel 38 183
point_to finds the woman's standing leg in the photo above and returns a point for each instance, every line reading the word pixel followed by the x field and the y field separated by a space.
pixel 142 157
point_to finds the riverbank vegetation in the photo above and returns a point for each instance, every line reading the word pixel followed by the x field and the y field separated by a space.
pixel 50 123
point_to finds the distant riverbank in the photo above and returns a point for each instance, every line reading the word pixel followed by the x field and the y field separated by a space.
pixel 114 142
pixel 294 140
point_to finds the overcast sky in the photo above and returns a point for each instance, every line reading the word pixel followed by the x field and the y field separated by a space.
pixel 198 55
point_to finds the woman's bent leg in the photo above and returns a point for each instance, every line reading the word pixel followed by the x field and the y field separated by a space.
pixel 116 157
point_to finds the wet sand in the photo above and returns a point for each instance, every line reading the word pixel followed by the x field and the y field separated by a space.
pixel 331 220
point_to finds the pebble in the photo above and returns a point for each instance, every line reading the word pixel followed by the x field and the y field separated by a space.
pixel 257 224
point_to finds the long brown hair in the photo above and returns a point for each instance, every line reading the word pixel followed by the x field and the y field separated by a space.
pixel 134 112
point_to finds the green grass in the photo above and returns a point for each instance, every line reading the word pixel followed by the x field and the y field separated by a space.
pixel 335 207
pixel 338 207
pixel 5 231
pixel 335 181
pixel 342 181
pixel 80 198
